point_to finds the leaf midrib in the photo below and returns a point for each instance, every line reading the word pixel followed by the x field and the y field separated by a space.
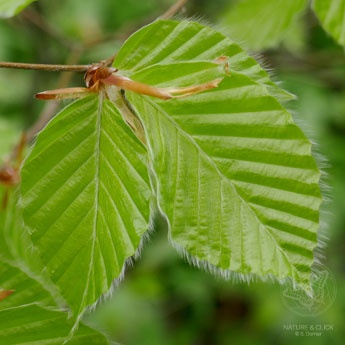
pixel 97 186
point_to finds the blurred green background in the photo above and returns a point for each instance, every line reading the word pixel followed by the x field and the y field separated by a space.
pixel 163 300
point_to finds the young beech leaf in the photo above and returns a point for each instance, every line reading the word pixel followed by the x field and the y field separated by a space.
pixel 233 174
pixel 85 198
pixel 236 180
pixel 167 41
pixel 231 171
pixel 332 17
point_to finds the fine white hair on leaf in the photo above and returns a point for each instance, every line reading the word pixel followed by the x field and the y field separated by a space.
pixel 232 276
pixel 325 187
pixel 225 274
pixel 116 282
pixel 248 278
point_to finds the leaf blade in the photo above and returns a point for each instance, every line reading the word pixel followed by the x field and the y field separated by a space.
pixel 168 41
pixel 35 324
pixel 28 292
pixel 26 289
pixel 86 181
pixel 270 207
pixel 21 269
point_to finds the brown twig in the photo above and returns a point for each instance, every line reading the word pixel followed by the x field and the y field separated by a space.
pixel 45 67
pixel 49 110
pixel 175 8
pixel 51 107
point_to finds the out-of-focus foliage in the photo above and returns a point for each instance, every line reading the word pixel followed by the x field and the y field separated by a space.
pixel 9 133
pixel 332 16
pixel 163 300
pixel 263 23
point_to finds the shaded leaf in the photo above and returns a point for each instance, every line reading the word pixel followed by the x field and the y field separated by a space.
pixel 332 16
pixel 21 321
pixel 15 244
pixel 85 198
pixel 33 324
pixel 26 289
pixel 20 267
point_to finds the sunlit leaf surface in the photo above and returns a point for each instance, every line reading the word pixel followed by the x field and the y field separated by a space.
pixel 233 173
pixel 85 197
pixel 229 168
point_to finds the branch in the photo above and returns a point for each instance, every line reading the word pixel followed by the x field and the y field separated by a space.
pixel 44 67
pixel 51 107
pixel 175 8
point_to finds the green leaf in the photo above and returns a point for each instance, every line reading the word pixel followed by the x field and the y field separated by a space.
pixel 33 324
pixel 168 41
pixel 20 267
pixel 332 16
pixel 261 24
pixel 26 289
pixel 85 198
pixel 294 37
pixel 15 243
pixel 236 179
pixel 9 8
pixel 232 172
pixel 20 321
